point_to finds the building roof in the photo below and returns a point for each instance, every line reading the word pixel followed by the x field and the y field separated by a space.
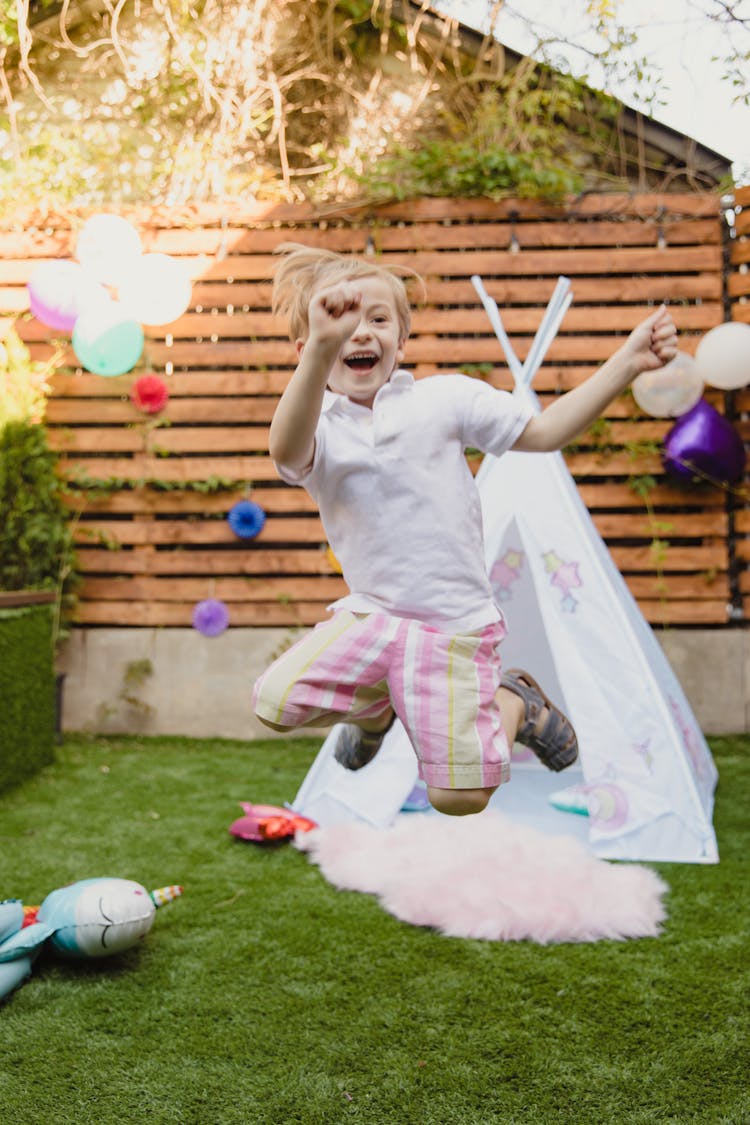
pixel 684 157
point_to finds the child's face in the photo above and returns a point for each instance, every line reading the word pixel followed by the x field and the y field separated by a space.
pixel 374 348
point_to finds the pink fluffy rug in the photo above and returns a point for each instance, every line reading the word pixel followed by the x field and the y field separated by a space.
pixel 486 877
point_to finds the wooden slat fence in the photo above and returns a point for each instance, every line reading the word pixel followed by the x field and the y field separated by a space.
pixel 738 285
pixel 153 538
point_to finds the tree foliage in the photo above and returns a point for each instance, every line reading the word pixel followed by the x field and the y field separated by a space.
pixel 168 101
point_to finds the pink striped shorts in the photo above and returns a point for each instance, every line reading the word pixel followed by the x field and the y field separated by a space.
pixel 442 686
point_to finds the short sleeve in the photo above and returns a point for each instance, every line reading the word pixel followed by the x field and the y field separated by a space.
pixel 492 419
pixel 301 477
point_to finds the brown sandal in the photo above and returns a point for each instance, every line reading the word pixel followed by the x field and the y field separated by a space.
pixel 552 738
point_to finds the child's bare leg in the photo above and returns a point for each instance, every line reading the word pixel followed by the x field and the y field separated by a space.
pixel 465 802
pixel 512 710
pixel 459 802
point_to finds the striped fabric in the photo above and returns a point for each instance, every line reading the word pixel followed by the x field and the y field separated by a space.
pixel 441 685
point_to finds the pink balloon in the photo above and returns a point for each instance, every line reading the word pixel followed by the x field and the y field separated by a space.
pixel 60 290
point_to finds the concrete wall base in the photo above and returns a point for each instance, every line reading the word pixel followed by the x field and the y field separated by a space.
pixel 175 681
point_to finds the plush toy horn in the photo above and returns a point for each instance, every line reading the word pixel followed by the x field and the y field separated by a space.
pixel 162 895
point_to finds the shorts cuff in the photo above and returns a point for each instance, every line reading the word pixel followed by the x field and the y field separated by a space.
pixel 465 777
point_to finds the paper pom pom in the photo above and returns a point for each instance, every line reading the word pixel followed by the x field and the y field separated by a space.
pixel 157 289
pixel 210 617
pixel 149 393
pixel 246 519
pixel 108 247
pixel 723 356
pixel 59 292
pixel 670 391
pixel 703 442
pixel 106 341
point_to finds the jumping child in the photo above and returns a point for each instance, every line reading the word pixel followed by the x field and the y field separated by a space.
pixel 382 454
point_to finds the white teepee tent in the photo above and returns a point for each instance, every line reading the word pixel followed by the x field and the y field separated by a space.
pixel 645 780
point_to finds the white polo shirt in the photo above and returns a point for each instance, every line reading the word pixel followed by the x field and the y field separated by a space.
pixel 398 500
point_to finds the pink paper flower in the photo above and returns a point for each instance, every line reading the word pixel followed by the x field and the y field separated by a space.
pixel 149 393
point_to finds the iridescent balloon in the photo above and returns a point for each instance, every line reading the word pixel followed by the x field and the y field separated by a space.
pixel 671 390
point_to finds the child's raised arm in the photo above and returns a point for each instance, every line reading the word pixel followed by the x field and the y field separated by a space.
pixel 333 315
pixel 650 345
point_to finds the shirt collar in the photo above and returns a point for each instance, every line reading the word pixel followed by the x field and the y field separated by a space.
pixel 332 402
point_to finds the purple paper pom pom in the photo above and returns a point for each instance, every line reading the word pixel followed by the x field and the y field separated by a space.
pixel 210 617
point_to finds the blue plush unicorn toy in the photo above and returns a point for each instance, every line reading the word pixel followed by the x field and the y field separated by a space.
pixel 90 918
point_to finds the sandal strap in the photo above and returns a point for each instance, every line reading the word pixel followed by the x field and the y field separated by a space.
pixel 551 737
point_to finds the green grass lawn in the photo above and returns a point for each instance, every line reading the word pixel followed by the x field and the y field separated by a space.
pixel 264 996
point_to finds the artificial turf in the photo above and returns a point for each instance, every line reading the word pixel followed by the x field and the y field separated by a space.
pixel 264 996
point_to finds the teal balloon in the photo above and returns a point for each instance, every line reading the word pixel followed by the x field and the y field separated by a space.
pixel 107 342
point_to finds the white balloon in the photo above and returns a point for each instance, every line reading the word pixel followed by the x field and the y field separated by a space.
pixel 671 390
pixel 157 289
pixel 107 247
pixel 723 356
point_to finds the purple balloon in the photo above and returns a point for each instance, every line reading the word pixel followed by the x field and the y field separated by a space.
pixel 210 617
pixel 703 442
pixel 246 519
pixel 58 292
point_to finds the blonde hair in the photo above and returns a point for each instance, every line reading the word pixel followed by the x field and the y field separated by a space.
pixel 305 269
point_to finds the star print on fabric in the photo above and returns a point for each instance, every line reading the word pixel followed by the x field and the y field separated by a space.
pixel 565 577
pixel 505 572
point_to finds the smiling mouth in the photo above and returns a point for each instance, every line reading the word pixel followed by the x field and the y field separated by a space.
pixel 361 361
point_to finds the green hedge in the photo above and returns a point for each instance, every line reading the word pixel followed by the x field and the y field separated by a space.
pixel 27 692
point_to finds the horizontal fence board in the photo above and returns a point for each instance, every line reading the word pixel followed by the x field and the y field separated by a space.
pixel 149 501
pixel 328 588
pixel 260 561
pixel 740 252
pixel 245 384
pixel 520 324
pixel 301 614
pixel 389 237
pixel 606 500
pixel 509 293
pixel 208 411
pixel 158 614
pixel 174 470
pixel 249 589
pixel 196 531
pixel 136 439
pixel 448 263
